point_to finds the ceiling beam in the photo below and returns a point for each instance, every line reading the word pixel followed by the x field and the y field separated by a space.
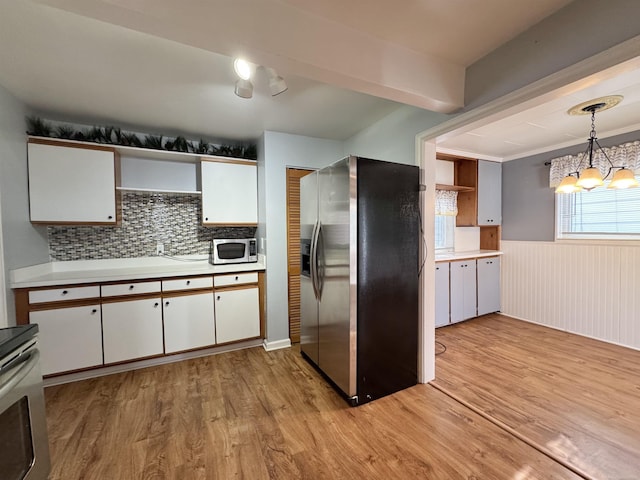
pixel 294 41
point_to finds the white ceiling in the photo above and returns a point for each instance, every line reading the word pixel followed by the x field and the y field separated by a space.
pixel 167 65
pixel 547 126
pixel 80 68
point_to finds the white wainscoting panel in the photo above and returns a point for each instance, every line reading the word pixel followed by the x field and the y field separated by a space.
pixel 591 290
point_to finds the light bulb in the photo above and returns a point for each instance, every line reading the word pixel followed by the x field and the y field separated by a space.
pixel 243 68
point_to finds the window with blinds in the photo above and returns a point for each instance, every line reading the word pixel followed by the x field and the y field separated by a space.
pixel 601 213
pixel 444 232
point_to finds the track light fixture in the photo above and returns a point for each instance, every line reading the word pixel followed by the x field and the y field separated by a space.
pixel 245 70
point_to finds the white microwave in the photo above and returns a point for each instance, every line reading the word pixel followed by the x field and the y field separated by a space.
pixel 239 250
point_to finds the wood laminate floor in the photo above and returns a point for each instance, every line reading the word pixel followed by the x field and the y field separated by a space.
pixel 577 397
pixel 257 415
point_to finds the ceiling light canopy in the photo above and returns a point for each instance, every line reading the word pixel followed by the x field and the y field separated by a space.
pixel 590 177
pixel 245 70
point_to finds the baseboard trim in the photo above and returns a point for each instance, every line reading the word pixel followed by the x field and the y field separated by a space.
pixel 277 345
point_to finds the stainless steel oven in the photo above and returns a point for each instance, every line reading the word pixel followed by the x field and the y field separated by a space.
pixel 24 447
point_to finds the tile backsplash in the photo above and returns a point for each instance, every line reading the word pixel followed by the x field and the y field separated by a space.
pixel 147 219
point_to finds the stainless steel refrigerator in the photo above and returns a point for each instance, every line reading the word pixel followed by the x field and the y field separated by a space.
pixel 360 231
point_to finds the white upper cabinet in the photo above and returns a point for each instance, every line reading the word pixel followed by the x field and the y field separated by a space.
pixel 72 185
pixel 229 192
pixel 489 193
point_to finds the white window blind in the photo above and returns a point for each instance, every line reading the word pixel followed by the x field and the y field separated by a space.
pixel 444 232
pixel 599 214
pixel 446 211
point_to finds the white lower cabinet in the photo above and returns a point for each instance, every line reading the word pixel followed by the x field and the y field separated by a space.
pixel 189 322
pixel 442 294
pixel 237 314
pixel 92 325
pixel 69 338
pixel 488 285
pixel 463 290
pixel 132 329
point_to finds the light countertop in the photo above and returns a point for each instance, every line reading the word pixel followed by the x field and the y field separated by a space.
pixel 123 269
pixel 454 256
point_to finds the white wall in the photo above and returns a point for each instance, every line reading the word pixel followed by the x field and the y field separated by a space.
pixel 393 138
pixel 261 231
pixel 23 244
pixel 282 150
pixel 588 289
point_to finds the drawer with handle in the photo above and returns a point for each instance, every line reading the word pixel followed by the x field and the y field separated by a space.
pixel 191 283
pixel 235 279
pixel 132 288
pixel 63 294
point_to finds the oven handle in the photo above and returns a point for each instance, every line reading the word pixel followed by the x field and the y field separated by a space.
pixel 22 366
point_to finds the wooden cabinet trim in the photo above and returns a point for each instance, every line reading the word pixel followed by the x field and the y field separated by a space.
pixel 243 286
pixel 123 362
pixel 21 300
pixel 231 160
pixel 83 302
pixel 262 302
pixel 185 293
pixel 62 143
pixel 229 224
pixel 134 296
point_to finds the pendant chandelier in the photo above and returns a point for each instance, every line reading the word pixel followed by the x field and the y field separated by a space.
pixel 590 177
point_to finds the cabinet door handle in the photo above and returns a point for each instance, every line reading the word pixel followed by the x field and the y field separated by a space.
pixel 110 217
pixel 155 305
pixel 236 278
pixel 206 219
pixel 64 292
pixel 188 282
pixel 131 287
pixel 95 310
pixel 218 297
pixel 166 304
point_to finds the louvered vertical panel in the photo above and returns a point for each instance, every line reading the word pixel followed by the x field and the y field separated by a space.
pixel 590 290
pixel 293 249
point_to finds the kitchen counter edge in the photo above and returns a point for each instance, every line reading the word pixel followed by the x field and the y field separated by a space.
pixel 455 256
pixel 44 276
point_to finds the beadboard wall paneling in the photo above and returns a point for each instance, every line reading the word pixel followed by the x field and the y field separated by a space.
pixel 147 219
pixel 591 290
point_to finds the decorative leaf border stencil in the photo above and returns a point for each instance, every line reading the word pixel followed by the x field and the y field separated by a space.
pixel 111 135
